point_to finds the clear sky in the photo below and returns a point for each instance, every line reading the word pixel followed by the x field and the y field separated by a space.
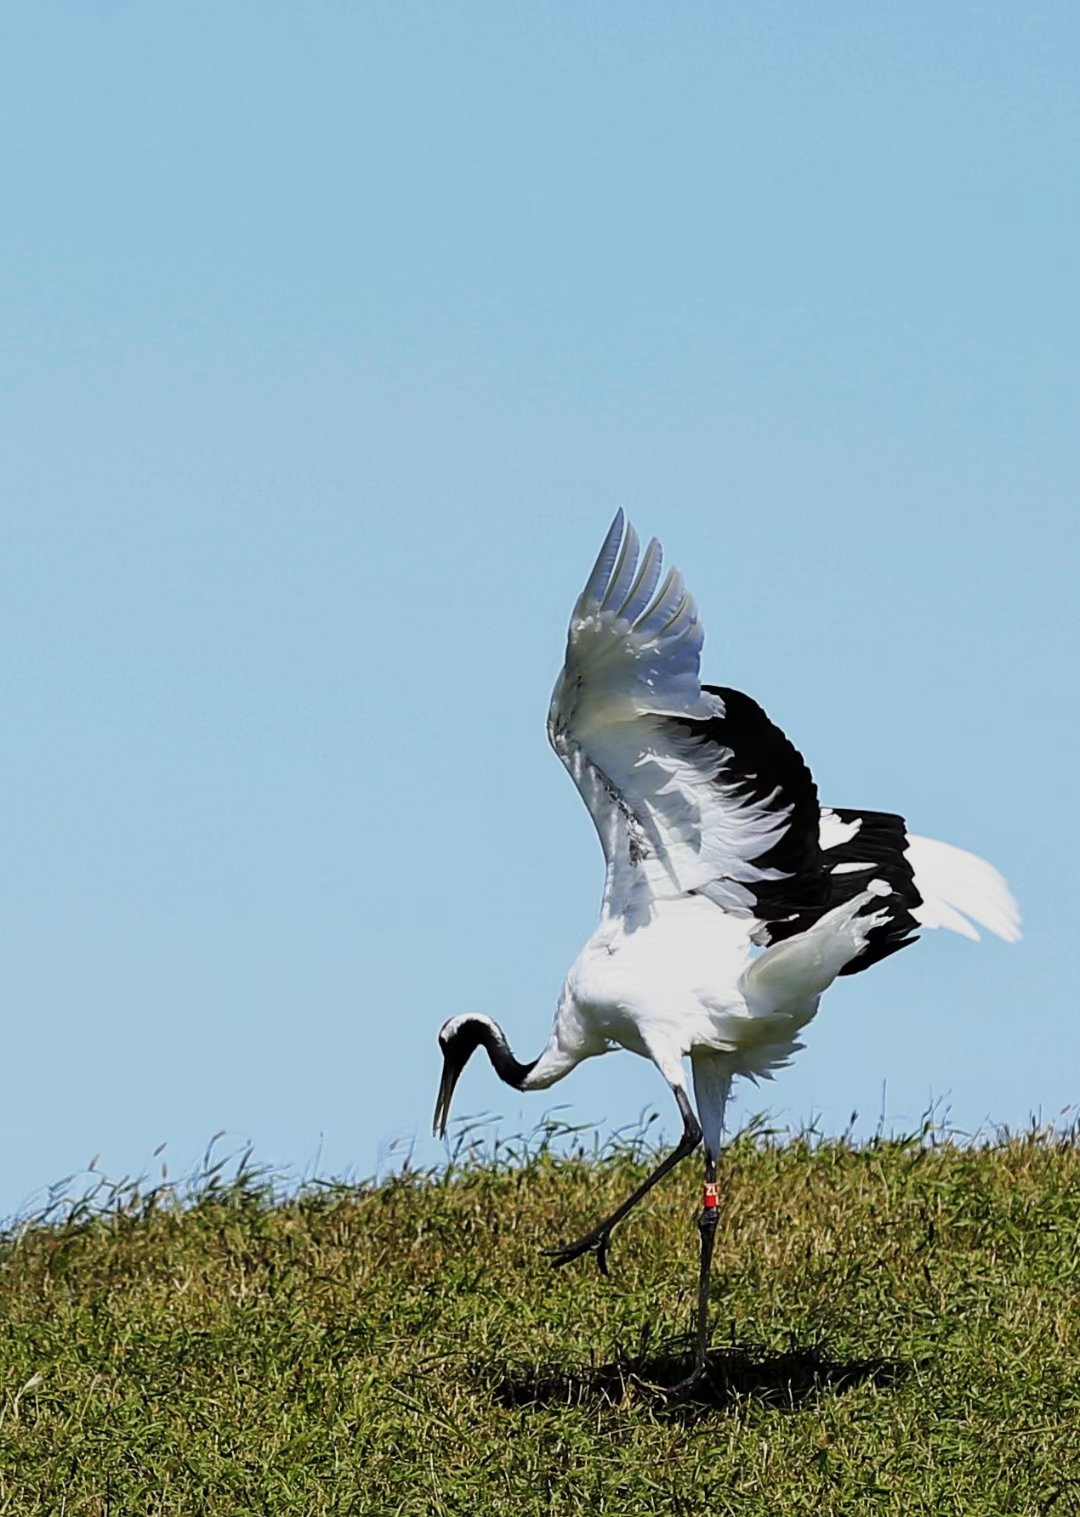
pixel 331 337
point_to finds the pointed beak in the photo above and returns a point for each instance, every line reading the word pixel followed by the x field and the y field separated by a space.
pixel 451 1070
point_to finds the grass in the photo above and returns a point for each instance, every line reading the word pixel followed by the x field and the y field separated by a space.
pixel 896 1331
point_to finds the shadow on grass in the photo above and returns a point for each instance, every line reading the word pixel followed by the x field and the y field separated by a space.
pixel 789 1381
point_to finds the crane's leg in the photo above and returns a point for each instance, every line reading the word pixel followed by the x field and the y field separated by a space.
pixel 707 1227
pixel 598 1239
pixel 712 1087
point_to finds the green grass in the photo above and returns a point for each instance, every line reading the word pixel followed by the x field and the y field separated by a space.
pixel 896 1329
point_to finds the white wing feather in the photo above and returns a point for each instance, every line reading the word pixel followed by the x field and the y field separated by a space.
pixel 956 885
pixel 667 821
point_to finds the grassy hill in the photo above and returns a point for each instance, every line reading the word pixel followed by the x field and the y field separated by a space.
pixel 896 1327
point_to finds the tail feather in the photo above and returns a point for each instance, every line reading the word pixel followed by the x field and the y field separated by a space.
pixel 956 886
pixel 933 884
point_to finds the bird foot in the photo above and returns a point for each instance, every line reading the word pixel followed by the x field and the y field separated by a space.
pixel 595 1242
pixel 696 1375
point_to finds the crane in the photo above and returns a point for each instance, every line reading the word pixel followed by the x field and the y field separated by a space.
pixel 732 898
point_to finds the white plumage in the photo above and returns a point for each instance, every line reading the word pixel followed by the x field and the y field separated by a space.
pixel 955 885
pixel 732 899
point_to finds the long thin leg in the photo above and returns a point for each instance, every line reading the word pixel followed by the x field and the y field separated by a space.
pixel 600 1236
pixel 707 1228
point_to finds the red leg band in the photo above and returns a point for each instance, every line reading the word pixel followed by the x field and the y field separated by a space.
pixel 711 1199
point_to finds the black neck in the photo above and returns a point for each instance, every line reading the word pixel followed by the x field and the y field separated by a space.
pixel 510 1070
pixel 472 1033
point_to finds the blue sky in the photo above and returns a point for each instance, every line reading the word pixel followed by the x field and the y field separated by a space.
pixel 331 337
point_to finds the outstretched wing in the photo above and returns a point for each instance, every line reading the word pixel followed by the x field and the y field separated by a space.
pixel 691 789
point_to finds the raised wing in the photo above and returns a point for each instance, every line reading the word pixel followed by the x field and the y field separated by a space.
pixel 691 789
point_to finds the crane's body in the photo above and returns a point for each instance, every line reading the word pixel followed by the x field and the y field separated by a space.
pixel 732 898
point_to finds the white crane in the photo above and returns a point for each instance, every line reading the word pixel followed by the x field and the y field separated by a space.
pixel 732 898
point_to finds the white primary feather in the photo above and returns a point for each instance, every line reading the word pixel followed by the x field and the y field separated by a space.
pixel 956 885
pixel 630 647
pixel 667 822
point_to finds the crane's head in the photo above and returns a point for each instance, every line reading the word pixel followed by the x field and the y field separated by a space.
pixel 459 1038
